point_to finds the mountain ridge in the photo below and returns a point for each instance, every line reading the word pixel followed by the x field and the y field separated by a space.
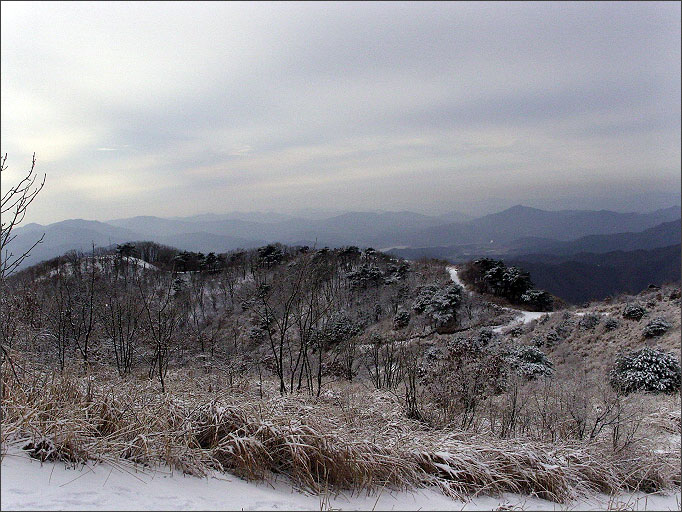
pixel 362 228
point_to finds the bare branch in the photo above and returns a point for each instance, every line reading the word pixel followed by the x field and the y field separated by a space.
pixel 13 206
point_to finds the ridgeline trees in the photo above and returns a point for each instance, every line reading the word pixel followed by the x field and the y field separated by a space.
pixel 488 275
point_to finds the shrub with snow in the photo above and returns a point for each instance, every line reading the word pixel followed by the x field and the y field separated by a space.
pixel 257 333
pixel 516 331
pixel 611 324
pixel 461 372
pixel 271 254
pixel 646 369
pixel 634 311
pixel 656 327
pixel 552 338
pixel 528 361
pixel 439 303
pixel 589 321
pixel 539 300
pixel 564 329
pixel 485 335
pixel 340 328
pixel 365 275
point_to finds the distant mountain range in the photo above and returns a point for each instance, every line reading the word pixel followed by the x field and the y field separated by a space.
pixel 586 276
pixel 516 234
pixel 662 235
pixel 521 221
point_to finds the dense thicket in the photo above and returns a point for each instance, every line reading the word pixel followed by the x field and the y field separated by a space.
pixel 488 275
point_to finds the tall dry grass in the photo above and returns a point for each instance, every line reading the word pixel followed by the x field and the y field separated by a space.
pixel 352 439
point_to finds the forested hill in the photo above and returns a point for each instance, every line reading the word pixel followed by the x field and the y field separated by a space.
pixel 587 276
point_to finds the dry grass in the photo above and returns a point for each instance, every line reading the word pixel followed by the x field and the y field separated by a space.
pixel 349 439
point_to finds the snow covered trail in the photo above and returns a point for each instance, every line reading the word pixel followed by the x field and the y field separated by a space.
pixel 526 316
pixel 455 277
pixel 29 485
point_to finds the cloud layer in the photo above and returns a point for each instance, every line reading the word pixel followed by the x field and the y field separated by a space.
pixel 183 108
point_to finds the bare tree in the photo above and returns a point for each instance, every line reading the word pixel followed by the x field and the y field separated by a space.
pixel 121 313
pixel 13 206
pixel 276 302
pixel 162 317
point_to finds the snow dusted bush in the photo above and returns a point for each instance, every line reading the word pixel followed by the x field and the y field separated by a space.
pixel 401 319
pixel 589 321
pixel 271 254
pixel 365 275
pixel 486 335
pixel 340 328
pixel 552 338
pixel 396 271
pixel 257 333
pixel 461 373
pixel 439 303
pixel 611 324
pixel 656 327
pixel 634 311
pixel 540 300
pixel 528 361
pixel 516 331
pixel 564 329
pixel 646 369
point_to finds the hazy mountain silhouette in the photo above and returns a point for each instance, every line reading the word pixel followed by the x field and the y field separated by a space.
pixel 665 234
pixel 61 237
pixel 522 221
pixel 518 230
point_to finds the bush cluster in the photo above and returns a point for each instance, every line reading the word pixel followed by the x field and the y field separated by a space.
pixel 528 361
pixel 439 303
pixel 552 338
pixel 611 324
pixel 647 369
pixel 589 321
pixel 634 311
pixel 656 327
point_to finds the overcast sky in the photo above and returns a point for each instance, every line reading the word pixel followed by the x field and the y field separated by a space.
pixel 178 109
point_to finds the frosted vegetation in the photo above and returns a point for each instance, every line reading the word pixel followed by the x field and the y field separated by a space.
pixel 341 370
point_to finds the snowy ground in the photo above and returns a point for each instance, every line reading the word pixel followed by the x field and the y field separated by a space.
pixel 29 485
pixel 67 268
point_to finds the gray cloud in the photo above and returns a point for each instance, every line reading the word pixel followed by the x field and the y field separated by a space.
pixel 175 109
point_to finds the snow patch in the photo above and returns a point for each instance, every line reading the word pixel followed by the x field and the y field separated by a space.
pixel 29 485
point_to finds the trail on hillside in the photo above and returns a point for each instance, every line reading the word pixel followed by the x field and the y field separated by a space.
pixel 525 316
